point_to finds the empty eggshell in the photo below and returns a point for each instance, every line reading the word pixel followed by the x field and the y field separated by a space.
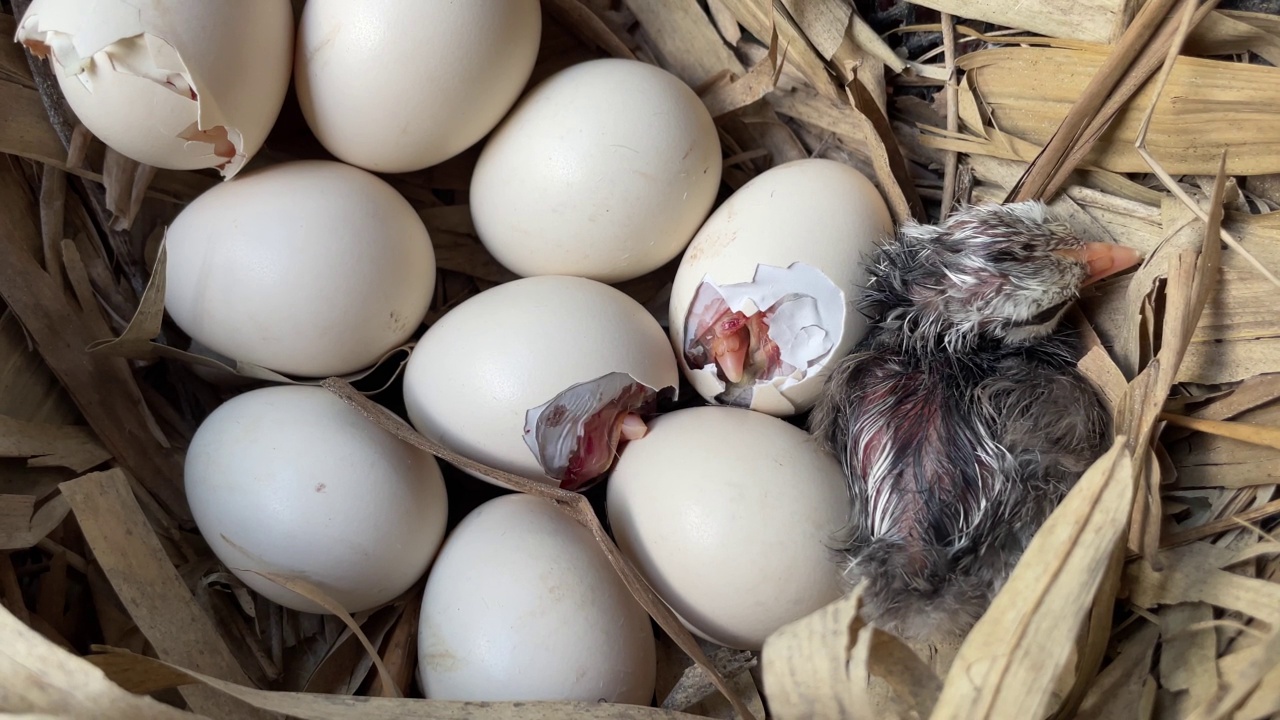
pixel 764 299
pixel 728 514
pixel 178 84
pixel 291 480
pixel 535 376
pixel 400 85
pixel 522 605
pixel 310 268
pixel 604 170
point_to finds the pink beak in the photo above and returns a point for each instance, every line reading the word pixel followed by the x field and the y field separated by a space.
pixel 1104 260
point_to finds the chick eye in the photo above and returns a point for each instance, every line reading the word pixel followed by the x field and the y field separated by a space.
pixel 1045 315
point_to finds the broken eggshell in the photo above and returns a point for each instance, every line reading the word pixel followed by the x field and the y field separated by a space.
pixel 763 299
pixel 541 377
pixel 176 84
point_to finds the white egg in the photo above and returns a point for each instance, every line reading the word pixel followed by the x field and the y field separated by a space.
pixel 400 85
pixel 522 605
pixel 535 376
pixel 729 513
pixel 310 268
pixel 604 170
pixel 177 84
pixel 764 300
pixel 291 480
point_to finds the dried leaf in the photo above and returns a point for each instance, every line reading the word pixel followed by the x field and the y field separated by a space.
pixel 1011 662
pixel 36 676
pixel 69 446
pixel 104 388
pixel 1039 179
pixel 824 22
pixel 1117 691
pixel 1096 21
pixel 22 525
pixel 589 25
pixel 1235 108
pixel 1192 573
pixel 146 582
pixel 1256 434
pixel 308 706
pixel 820 667
pixel 724 98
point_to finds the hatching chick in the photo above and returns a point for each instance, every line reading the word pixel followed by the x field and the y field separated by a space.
pixel 961 420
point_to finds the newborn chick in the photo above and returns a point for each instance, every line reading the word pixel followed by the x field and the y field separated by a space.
pixel 961 420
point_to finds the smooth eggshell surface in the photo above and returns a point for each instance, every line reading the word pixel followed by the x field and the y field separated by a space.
pixel 291 480
pixel 728 513
pixel 310 268
pixel 816 211
pixel 513 347
pixel 604 170
pixel 522 605
pixel 177 84
pixel 400 85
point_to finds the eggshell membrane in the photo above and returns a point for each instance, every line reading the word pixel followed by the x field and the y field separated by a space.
pixel 235 54
pixel 311 268
pixel 727 513
pixel 400 85
pixel 291 480
pixel 604 170
pixel 477 370
pixel 523 605
pixel 818 212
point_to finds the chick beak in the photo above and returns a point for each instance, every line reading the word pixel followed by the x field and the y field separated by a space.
pixel 1104 260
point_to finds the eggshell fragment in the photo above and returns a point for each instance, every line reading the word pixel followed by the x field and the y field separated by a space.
pixel 400 85
pixel 291 480
pixel 177 84
pixel 526 375
pixel 604 170
pixel 781 259
pixel 522 605
pixel 728 514
pixel 311 268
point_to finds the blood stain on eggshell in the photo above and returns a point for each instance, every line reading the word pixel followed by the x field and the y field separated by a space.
pixel 770 333
pixel 181 85
pixel 577 434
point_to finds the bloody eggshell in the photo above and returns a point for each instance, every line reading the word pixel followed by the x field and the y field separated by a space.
pixel 400 85
pixel 799 233
pixel 477 373
pixel 604 170
pixel 728 513
pixel 177 84
pixel 523 605
pixel 290 480
pixel 309 268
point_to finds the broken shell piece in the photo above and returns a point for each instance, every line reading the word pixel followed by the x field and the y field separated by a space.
pixel 178 84
pixel 576 434
pixel 776 330
pixel 538 376
pixel 762 303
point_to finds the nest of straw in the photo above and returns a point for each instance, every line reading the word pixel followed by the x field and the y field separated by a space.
pixel 1152 591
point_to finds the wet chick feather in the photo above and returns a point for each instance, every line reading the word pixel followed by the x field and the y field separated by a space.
pixel 961 420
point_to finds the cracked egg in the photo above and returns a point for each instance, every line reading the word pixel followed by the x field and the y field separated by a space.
pixel 179 84
pixel 542 377
pixel 764 297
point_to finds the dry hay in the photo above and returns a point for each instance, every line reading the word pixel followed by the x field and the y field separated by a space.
pixel 1151 592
